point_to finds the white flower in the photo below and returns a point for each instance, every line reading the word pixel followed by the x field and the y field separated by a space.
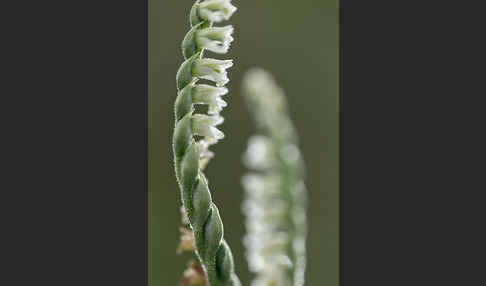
pixel 204 125
pixel 215 39
pixel 260 187
pixel 258 82
pixel 290 153
pixel 216 10
pixel 211 95
pixel 259 155
pixel 212 69
pixel 203 148
pixel 273 276
pixel 205 155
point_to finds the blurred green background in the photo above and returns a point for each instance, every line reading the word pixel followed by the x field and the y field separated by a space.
pixel 298 42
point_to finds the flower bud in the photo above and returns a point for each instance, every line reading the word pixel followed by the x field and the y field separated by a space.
pixel 216 10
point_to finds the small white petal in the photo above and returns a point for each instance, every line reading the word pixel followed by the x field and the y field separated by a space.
pixel 210 140
pixel 219 65
pixel 216 108
pixel 204 90
pixel 209 120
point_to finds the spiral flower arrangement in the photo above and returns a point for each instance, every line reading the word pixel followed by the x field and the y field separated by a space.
pixel 192 154
pixel 275 201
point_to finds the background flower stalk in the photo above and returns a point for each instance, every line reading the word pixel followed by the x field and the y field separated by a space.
pixel 275 194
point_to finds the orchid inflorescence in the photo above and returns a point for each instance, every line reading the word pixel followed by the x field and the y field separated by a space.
pixel 275 194
pixel 190 154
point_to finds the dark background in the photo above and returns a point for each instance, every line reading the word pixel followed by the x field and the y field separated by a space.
pixel 73 187
pixel 298 42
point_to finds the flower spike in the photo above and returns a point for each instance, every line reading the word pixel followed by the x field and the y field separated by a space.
pixel 192 154
pixel 275 201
